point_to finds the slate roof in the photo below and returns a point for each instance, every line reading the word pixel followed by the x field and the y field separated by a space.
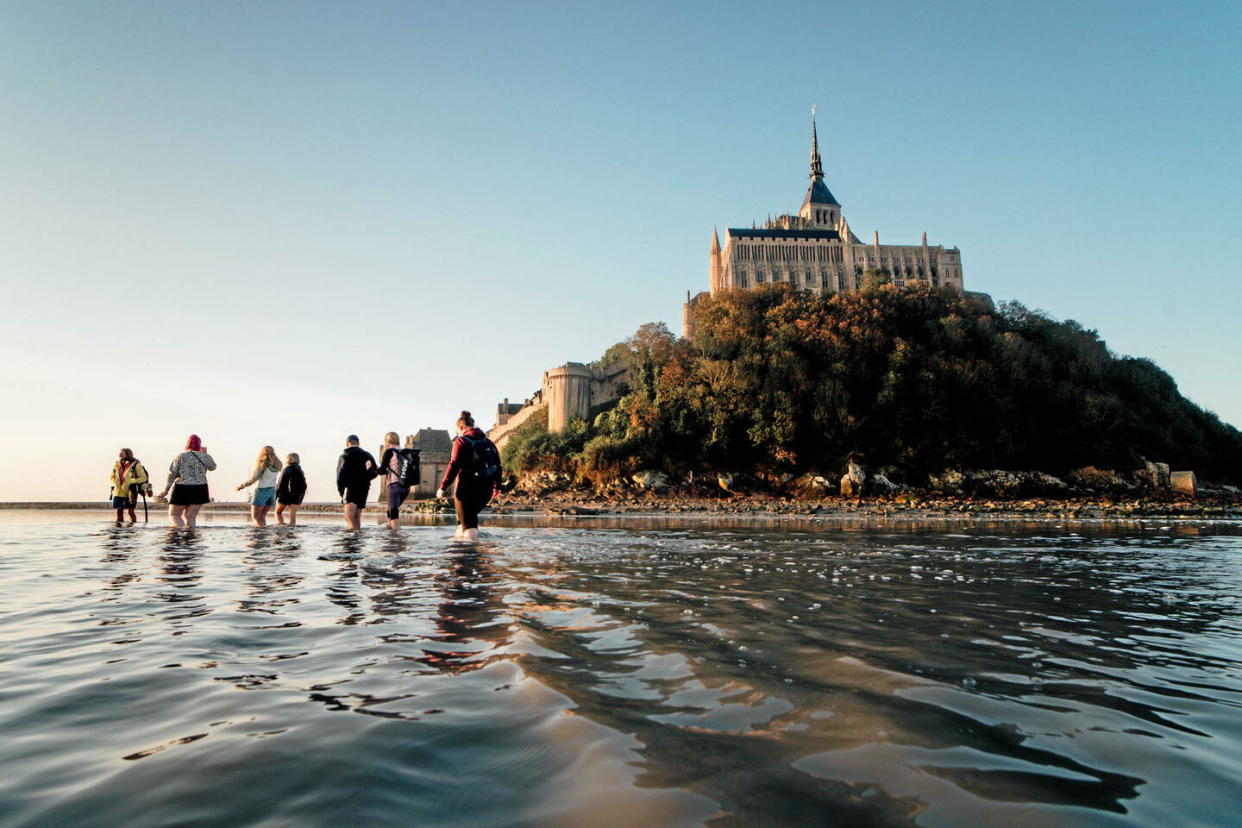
pixel 818 193
pixel 760 233
pixel 434 445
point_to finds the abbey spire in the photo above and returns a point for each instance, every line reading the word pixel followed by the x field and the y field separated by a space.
pixel 817 166
pixel 715 271
pixel 819 207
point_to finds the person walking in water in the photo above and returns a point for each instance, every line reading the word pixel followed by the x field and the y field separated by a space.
pixel 266 465
pixel 354 473
pixel 400 469
pixel 475 465
pixel 290 489
pixel 128 480
pixel 187 478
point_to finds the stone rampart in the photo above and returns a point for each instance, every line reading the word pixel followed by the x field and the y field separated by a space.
pixel 573 391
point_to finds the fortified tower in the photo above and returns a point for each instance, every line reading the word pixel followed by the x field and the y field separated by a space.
pixel 568 392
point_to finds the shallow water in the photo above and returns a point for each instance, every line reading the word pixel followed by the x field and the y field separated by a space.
pixel 616 673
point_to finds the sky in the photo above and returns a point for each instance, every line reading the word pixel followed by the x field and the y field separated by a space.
pixel 283 222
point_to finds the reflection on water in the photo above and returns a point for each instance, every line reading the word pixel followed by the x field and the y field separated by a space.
pixel 722 673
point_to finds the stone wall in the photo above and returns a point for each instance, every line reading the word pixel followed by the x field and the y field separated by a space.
pixel 571 391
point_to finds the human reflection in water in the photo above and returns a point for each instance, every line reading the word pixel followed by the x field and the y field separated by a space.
pixel 343 584
pixel 393 587
pixel 180 556
pixel 119 545
pixel 267 573
pixel 471 619
pixel 180 553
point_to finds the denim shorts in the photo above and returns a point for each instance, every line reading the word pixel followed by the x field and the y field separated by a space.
pixel 264 497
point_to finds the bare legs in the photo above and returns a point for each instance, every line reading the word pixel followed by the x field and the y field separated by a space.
pixel 191 514
pixel 176 514
pixel 258 515
pixel 353 516
pixel 293 513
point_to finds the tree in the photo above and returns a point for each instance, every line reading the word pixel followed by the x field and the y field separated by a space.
pixel 873 278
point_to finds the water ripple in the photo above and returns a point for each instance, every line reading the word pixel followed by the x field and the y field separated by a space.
pixel 727 673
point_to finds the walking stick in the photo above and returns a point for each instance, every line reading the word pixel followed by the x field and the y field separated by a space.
pixel 144 505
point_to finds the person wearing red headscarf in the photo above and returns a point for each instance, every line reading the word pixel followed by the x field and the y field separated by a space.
pixel 187 478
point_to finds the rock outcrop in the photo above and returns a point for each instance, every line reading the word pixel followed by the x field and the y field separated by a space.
pixel 650 480
pixel 853 481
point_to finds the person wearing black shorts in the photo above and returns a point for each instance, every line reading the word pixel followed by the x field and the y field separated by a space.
pixel 354 473
pixel 187 478
pixel 290 489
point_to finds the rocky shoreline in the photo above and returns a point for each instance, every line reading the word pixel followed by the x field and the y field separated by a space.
pixel 901 506
pixel 904 505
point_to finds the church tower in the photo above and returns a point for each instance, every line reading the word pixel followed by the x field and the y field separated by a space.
pixel 820 207
pixel 715 268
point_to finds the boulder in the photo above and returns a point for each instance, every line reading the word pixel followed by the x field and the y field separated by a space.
pixel 811 485
pixel 652 481
pixel 1005 483
pixel 542 482
pixel 775 480
pixel 1184 483
pixel 1153 476
pixel 948 481
pixel 1098 480
pixel 880 484
pixel 853 481
pixel 992 482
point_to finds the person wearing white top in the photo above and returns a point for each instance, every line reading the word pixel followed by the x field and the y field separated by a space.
pixel 266 467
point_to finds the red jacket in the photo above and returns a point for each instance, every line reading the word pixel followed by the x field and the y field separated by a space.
pixel 459 462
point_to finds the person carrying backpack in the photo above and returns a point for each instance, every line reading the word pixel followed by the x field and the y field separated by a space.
pixel 290 489
pixel 354 473
pixel 129 479
pixel 400 467
pixel 475 465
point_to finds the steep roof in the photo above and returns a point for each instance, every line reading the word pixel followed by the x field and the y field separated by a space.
pixel 763 233
pixel 818 193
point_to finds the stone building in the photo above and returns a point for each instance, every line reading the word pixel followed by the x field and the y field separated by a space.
pixel 816 250
pixel 435 447
pixel 571 391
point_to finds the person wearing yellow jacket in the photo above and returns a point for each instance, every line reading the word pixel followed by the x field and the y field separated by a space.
pixel 128 478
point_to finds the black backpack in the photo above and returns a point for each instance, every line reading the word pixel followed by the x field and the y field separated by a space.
pixel 485 459
pixel 409 472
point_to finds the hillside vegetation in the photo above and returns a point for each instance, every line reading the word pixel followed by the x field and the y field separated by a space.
pixel 917 379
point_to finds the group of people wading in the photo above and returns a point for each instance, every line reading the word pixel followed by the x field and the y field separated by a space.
pixel 474 466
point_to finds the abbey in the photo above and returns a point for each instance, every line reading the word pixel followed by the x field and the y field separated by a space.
pixel 816 250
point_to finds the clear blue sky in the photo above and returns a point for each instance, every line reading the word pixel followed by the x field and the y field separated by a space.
pixel 281 222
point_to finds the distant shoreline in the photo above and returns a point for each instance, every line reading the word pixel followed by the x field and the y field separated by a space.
pixel 570 504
